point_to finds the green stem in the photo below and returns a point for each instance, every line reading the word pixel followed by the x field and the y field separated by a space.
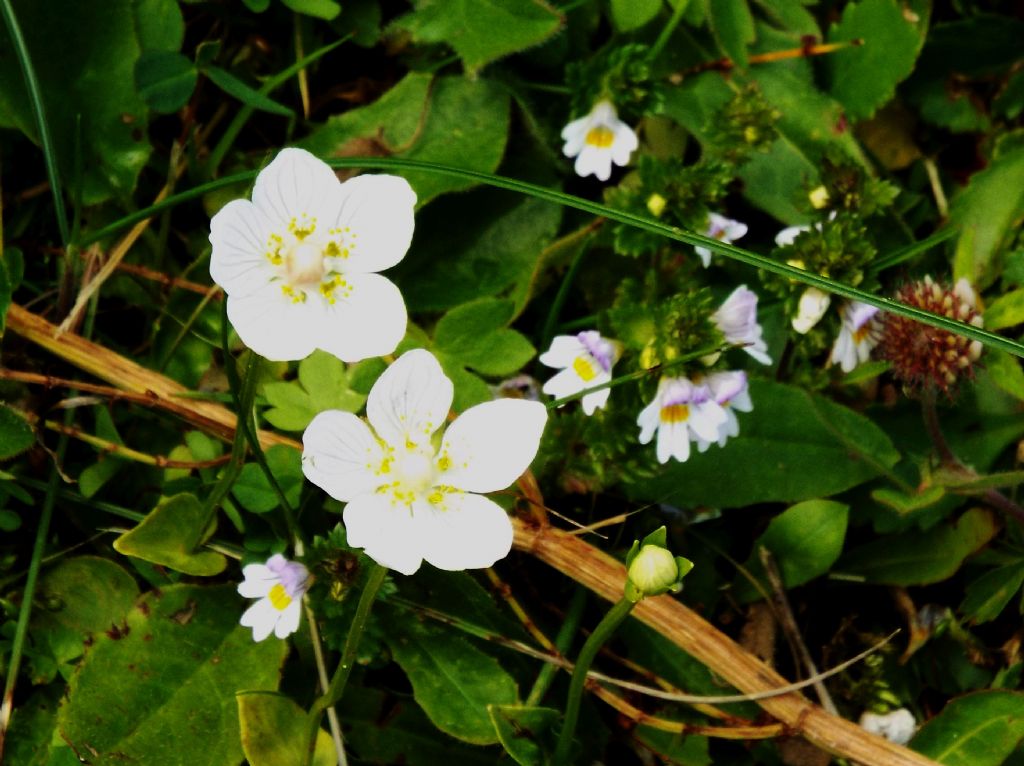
pixel 563 292
pixel 563 640
pixel 604 630
pixel 673 233
pixel 666 32
pixel 336 689
pixel 39 112
pixel 234 467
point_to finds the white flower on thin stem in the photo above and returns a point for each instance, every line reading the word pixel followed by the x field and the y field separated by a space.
pixel 279 585
pixel 858 335
pixel 729 390
pixel 586 360
pixel 299 262
pixel 679 412
pixel 724 230
pixel 896 726
pixel 737 319
pixel 409 500
pixel 813 305
pixel 597 140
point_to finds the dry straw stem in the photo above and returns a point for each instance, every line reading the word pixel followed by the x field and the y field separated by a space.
pixel 567 553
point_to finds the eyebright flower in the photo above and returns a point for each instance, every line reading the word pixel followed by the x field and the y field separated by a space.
pixel 857 335
pixel 597 140
pixel 896 726
pixel 724 230
pixel 680 410
pixel 299 262
pixel 813 305
pixel 729 390
pixel 737 319
pixel 586 360
pixel 279 585
pixel 411 497
pixel 928 356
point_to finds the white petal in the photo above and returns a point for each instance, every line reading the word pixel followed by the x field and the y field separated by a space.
pixel 386 532
pixel 341 455
pixel 649 419
pixel 624 145
pixel 239 236
pixel 813 304
pixel 788 235
pixel 258 581
pixel 596 400
pixel 273 326
pixel 565 383
pixel 261 617
pixel 410 400
pixel 594 160
pixel 575 135
pixel 705 255
pixel 296 184
pixel 564 350
pixel 370 321
pixel 465 531
pixel 490 445
pixel 734 230
pixel 705 420
pixel 378 209
pixel 673 442
pixel 288 620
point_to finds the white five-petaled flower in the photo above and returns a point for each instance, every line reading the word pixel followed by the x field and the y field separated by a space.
pixel 857 335
pixel 597 140
pixel 279 585
pixel 299 262
pixel 729 390
pixel 724 230
pixel 812 307
pixel 737 319
pixel 409 497
pixel 586 360
pixel 680 409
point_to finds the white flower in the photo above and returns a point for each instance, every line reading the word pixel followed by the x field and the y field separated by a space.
pixel 598 140
pixel 788 235
pixel 679 409
pixel 724 230
pixel 586 361
pixel 857 335
pixel 409 500
pixel 299 262
pixel 729 390
pixel 737 319
pixel 813 305
pixel 279 585
pixel 898 726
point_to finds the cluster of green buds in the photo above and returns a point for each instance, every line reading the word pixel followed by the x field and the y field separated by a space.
pixel 651 569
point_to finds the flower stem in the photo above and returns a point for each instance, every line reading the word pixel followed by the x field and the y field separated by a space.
pixel 601 634
pixel 570 624
pixel 666 32
pixel 348 655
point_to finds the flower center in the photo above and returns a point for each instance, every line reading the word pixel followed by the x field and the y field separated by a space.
pixel 584 369
pixel 600 136
pixel 675 413
pixel 415 471
pixel 279 597
pixel 304 264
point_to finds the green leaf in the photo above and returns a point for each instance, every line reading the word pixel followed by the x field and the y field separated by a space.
pixel 321 9
pixel 169 536
pixel 906 504
pixel 525 732
pixel 979 729
pixel 794 446
pixel 864 77
pixel 248 95
pixel 988 595
pixel 921 558
pixel 452 680
pixel 32 727
pixel 1005 311
pixel 988 212
pixel 497 246
pixel 324 383
pixel 475 334
pixel 678 749
pixel 274 732
pixel 162 691
pixel 805 541
pixel 159 25
pixel 450 120
pixel 628 15
pixel 165 80
pixel 252 489
pixel 482 31
pixel 113 116
pixel 16 434
pixel 733 28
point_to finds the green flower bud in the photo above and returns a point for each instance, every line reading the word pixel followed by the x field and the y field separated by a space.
pixel 652 569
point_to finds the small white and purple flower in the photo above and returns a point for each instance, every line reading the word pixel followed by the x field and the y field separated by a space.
pixel 737 319
pixel 730 391
pixel 279 584
pixel 597 140
pixel 724 230
pixel 681 411
pixel 813 305
pixel 858 335
pixel 586 360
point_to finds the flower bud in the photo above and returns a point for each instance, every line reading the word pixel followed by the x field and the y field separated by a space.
pixel 818 197
pixel 656 204
pixel 652 569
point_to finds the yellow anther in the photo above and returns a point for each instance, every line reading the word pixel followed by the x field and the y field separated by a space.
pixel 675 413
pixel 279 598
pixel 584 369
